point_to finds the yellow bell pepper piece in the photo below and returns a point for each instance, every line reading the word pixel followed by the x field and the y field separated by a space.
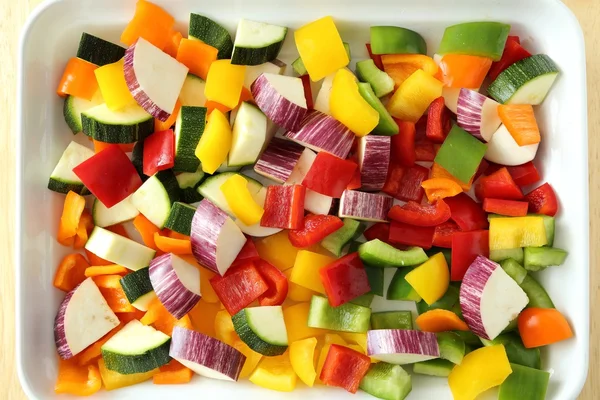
pixel 479 371
pixel 302 357
pixel 240 200
pixel 203 317
pixel 296 323
pixel 334 338
pixel 349 107
pixel 297 292
pixel 306 270
pixel 411 99
pixel 430 279
pixel 511 233
pixel 277 250
pixel 224 83
pixel 111 80
pixel 321 48
pixel 357 338
pixel 224 330
pixel 113 380
pixel 252 358
pixel 215 142
pixel 208 293
pixel 321 362
pixel 357 348
pixel 275 373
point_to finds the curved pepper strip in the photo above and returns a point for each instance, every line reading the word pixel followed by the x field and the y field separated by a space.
pixel 203 316
pixel 411 235
pixel 302 355
pixel 440 188
pixel 70 272
pixel 466 246
pixel 480 370
pixel 76 380
pixel 73 208
pixel 316 228
pixel 438 121
pixel 403 144
pixel 172 374
pixel 442 237
pixel 421 215
pixel 110 287
pixel 78 79
pixel 276 281
pixel 162 320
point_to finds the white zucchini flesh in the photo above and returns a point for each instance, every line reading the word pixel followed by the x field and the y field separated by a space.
pixel 120 212
pixel 118 249
pixel 249 135
pixel 73 155
pixel 534 91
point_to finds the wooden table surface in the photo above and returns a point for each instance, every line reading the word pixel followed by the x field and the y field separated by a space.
pixel 12 16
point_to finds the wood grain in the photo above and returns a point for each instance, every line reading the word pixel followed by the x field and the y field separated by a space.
pixel 13 14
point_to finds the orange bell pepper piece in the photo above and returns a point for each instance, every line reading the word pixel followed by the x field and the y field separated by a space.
pixel 400 66
pixel 176 235
pixel 463 71
pixel 94 351
pixel 160 126
pixel 86 225
pixel 127 317
pixel 69 220
pixel 440 188
pixel 147 230
pixel 78 79
pixel 110 287
pixel 170 245
pixel 158 316
pixel 197 56
pixel 437 171
pixel 106 270
pixel 76 380
pixel 203 317
pixel 150 22
pixel 95 260
pixel 543 326
pixel 440 320
pixel 99 146
pixel 173 373
pixel 173 44
pixel 520 121
pixel 213 105
pixel 70 272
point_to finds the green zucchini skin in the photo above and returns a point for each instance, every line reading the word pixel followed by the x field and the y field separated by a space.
pixel 105 131
pixel 98 51
pixel 190 125
pixel 135 364
pixel 65 187
pixel 136 284
pixel 210 32
pixel 252 339
pixel 180 218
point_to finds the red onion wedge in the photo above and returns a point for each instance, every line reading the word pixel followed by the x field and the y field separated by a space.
pixel 477 114
pixel 278 160
pixel 399 346
pixel 374 160
pixel 320 132
pixel 176 284
pixel 314 202
pixel 450 96
pixel 205 355
pixel 83 317
pixel 281 98
pixel 503 149
pixel 154 78
pixel 216 239
pixel 489 298
pixel 365 206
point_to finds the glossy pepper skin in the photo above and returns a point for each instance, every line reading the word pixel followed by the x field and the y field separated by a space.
pixel 345 279
pixel 284 207
pixel 466 246
pixel 248 253
pixel 275 280
pixel 543 326
pixel 403 144
pixel 523 175
pixel 404 183
pixel 438 121
pixel 421 215
pixel 498 185
pixel 239 287
pixel 513 52
pixel 344 368
pixel 109 175
pixel 316 228
pixel 510 208
pixel 411 235
pixel 466 212
pixel 159 152
pixel 329 175
pixel 542 200
pixel 442 236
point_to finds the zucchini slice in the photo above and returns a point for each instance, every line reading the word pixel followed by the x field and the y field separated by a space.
pixel 156 196
pixel 120 212
pixel 262 329
pixel 188 130
pixel 180 218
pixel 98 51
pixel 192 92
pixel 119 249
pixel 138 288
pixel 210 32
pixel 249 137
pixel 211 189
pixel 257 42
pixel 74 106
pixel 63 179
pixel 128 125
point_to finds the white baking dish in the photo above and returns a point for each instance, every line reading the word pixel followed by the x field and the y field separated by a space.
pixel 50 38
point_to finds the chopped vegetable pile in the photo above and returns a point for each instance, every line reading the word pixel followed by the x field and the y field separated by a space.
pixel 241 223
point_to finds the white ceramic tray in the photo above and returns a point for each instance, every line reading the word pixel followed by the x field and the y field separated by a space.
pixel 50 38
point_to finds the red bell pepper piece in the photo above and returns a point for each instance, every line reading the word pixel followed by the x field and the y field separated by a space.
pixel 276 281
pixel 284 207
pixel 425 151
pixel 483 166
pixel 466 246
pixel 375 57
pixel 316 228
pixel 345 279
pixel 411 235
pixel 421 214
pixel 513 52
pixel 239 287
pixel 307 91
pixel 442 237
pixel 329 175
pixel 109 175
pixel 542 200
pixel 248 253
pixel 511 208
pixel 159 152
pixel 380 230
pixel 438 121
pixel 466 212
pixel 404 183
pixel 344 368
pixel 499 185
pixel 356 181
pixel 403 144
pixel 523 175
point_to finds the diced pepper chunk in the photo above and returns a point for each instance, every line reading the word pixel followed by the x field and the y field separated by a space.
pixel 403 144
pixel 414 96
pixel 442 236
pixel 466 212
pixel 329 175
pixel 542 200
pixel 510 208
pixel 543 326
pixel 499 185
pixel 463 71
pixel 238 196
pixel 461 154
pixel 239 287
pixel 252 358
pixel 215 143
pixel 197 56
pixel 400 66
pixel 345 279
pixel 430 279
pixel 248 253
pixel 306 270
pixel 111 80
pixel 349 107
pixel 513 52
pixel 440 188
pixel 438 171
pixel 511 233
pixel 466 246
pixel 224 330
pixel 321 48
pixel 224 83
pixel 159 152
pixel 150 22
pixel 277 250
pixel 275 373
pixel 344 368
pixel 302 355
pixel 404 183
pixel 277 284
pixel 284 207
pixel 438 121
pixel 113 380
pixel 296 323
pixel 316 228
pixel 411 235
pixel 421 215
pixel 70 272
pixel 520 121
pixel 172 374
pixel 78 79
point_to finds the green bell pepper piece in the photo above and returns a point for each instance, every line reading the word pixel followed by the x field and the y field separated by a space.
pixel 392 320
pixel 537 258
pixel 396 40
pixel 524 383
pixel 400 289
pixel 461 154
pixel 484 39
pixel 379 254
pixel 516 351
